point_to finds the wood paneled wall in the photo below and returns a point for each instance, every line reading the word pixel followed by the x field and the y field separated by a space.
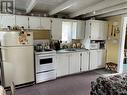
pixel 41 34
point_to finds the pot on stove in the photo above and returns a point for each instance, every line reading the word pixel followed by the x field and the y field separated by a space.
pixel 38 48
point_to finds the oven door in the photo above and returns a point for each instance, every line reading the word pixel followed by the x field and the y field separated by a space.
pixel 45 63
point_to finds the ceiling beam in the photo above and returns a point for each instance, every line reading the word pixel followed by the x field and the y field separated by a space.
pixel 98 6
pixel 109 9
pixel 118 12
pixel 62 7
pixel 30 5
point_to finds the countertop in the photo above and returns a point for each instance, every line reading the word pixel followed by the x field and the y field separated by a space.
pixel 62 51
pixel 70 51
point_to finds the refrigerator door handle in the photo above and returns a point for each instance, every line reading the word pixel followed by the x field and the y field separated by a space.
pixel 3 54
pixel 1 69
pixel 3 47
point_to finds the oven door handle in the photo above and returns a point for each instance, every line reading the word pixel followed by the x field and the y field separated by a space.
pixel 49 55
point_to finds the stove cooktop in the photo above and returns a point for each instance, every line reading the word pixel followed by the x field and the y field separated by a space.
pixel 46 51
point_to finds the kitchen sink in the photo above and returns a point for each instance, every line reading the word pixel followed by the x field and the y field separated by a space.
pixel 47 49
pixel 70 49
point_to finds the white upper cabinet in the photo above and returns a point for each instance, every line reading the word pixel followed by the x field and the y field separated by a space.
pixel 81 30
pixel 45 23
pixel 7 20
pixel 96 30
pixel 78 28
pixel 22 21
pixel 34 22
pixel 56 29
pixel 103 30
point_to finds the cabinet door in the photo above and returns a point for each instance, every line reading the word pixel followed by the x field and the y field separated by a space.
pixel 101 58
pixel 103 30
pixel 97 59
pixel 93 59
pixel 56 29
pixel 85 61
pixel 74 66
pixel 80 30
pixel 45 23
pixel 7 20
pixel 95 28
pixel 22 21
pixel 34 23
pixel 62 64
pixel 87 30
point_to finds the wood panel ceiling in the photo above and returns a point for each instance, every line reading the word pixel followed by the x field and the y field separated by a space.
pixel 73 8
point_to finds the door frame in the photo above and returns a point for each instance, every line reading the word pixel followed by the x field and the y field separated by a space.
pixel 122 43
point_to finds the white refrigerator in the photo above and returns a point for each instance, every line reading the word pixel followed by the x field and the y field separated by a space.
pixel 17 58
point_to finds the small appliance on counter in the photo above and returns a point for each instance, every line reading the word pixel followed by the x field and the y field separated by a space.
pixel 94 45
pixel 57 45
pixel 102 45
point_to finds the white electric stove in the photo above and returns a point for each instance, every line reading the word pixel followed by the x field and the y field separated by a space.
pixel 45 66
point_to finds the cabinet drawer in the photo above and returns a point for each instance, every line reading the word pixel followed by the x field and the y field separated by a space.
pixel 41 77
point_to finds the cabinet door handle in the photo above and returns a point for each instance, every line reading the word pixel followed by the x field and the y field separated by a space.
pixel 80 69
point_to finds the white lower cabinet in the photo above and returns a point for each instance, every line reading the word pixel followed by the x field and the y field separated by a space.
pixel 97 59
pixel 62 64
pixel 93 59
pixel 101 58
pixel 85 61
pixel 71 63
pixel 74 66
pixel 67 63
